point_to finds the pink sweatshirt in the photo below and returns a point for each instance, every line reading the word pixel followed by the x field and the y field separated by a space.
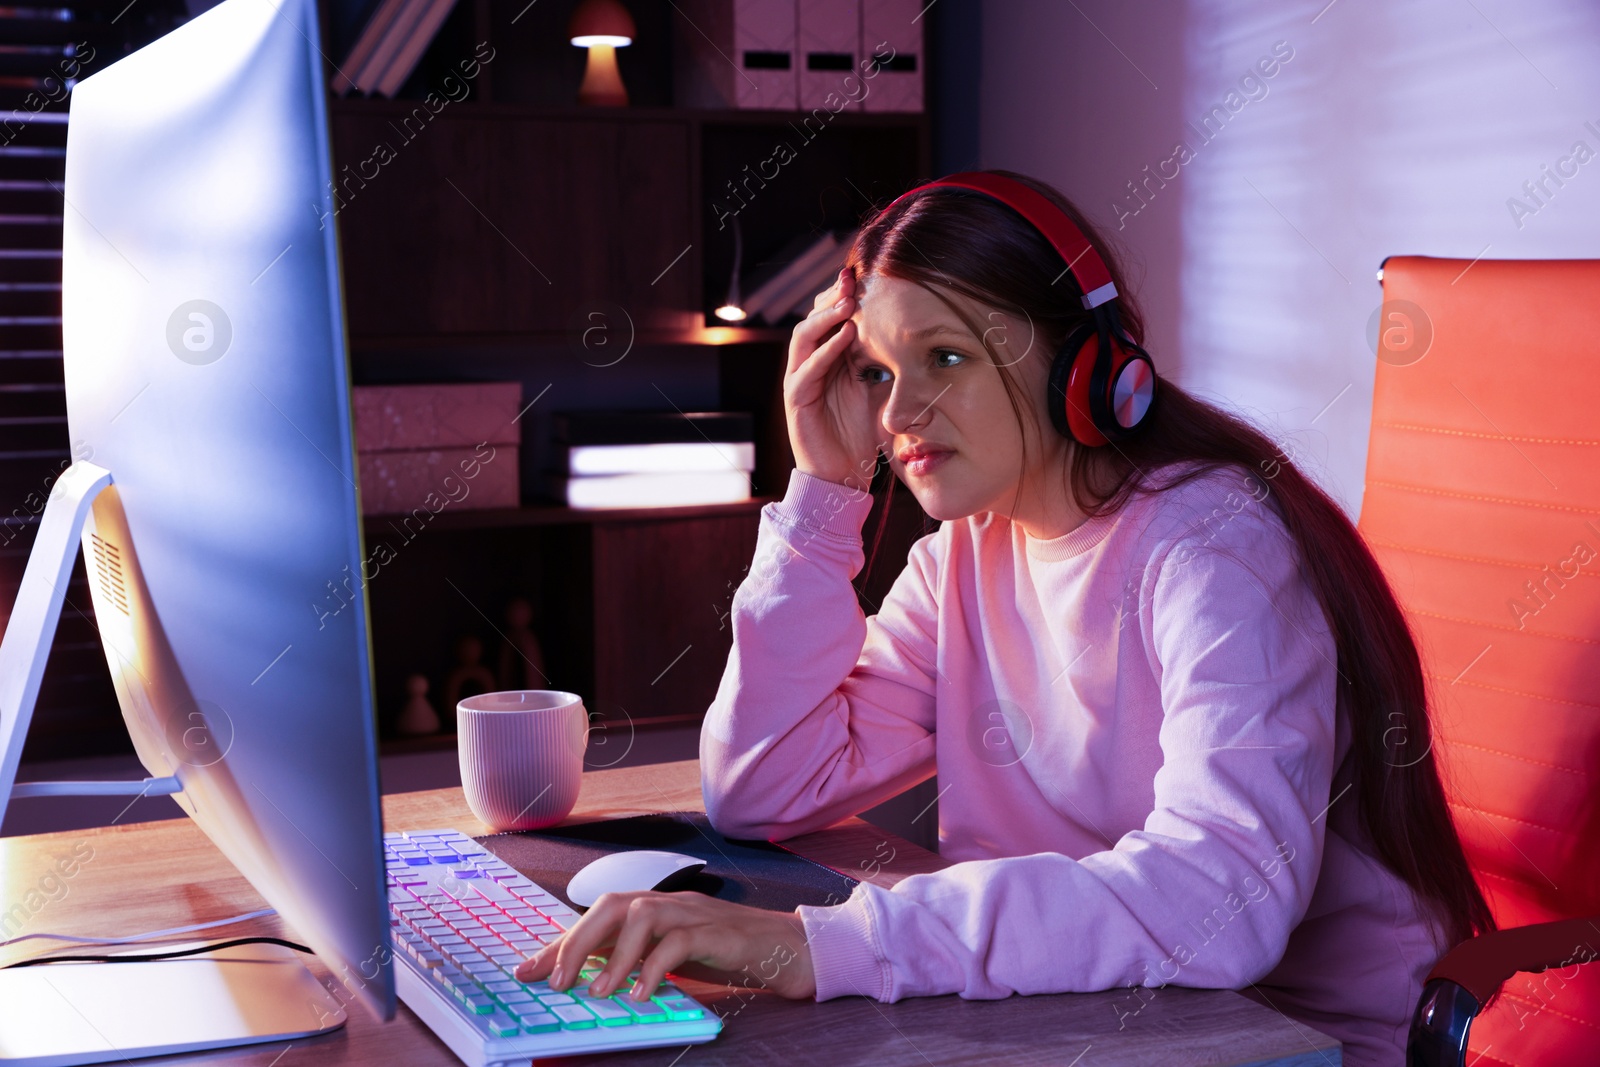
pixel 1134 732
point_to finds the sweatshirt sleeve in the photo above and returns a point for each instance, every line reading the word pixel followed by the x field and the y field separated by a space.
pixel 1206 893
pixel 821 712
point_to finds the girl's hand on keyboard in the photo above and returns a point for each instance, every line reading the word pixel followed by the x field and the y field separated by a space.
pixel 659 932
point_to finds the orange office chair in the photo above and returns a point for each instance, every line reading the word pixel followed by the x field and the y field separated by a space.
pixel 1483 508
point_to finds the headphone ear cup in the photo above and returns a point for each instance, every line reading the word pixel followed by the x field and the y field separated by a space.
pixel 1131 389
pixel 1071 405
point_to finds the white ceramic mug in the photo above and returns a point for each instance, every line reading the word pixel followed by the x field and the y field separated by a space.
pixel 521 756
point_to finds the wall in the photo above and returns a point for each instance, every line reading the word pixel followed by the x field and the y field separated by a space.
pixel 1391 129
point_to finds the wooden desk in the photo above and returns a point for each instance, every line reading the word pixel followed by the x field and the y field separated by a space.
pixel 155 875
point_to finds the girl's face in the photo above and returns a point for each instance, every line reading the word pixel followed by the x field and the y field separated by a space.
pixel 932 385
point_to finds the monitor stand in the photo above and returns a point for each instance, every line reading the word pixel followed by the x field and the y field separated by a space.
pixel 75 1013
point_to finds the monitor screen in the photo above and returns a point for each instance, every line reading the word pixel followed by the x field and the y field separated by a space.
pixel 206 369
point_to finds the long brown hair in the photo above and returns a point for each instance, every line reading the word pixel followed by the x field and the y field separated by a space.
pixel 952 240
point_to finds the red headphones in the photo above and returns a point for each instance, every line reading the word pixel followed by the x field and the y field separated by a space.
pixel 1101 381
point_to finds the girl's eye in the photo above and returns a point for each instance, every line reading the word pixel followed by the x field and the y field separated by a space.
pixel 941 357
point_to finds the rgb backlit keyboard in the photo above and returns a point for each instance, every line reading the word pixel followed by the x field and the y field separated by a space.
pixel 462 920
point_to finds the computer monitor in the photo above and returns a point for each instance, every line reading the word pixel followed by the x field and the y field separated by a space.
pixel 207 372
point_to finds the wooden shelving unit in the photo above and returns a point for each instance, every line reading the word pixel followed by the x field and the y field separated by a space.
pixel 482 238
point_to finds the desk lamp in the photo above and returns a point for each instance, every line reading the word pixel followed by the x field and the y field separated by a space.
pixel 601 26
pixel 732 309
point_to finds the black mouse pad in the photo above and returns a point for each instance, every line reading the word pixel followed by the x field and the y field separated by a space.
pixel 756 873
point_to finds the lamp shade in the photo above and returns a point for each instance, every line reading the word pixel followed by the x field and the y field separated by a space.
pixel 601 22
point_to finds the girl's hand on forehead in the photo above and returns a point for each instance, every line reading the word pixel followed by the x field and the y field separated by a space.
pixel 844 285
pixel 832 426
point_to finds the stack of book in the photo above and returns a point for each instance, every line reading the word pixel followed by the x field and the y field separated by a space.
pixel 641 459
pixel 390 45
pixel 789 282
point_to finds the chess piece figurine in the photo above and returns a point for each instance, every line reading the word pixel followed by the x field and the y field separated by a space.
pixel 418 716
pixel 470 676
pixel 521 658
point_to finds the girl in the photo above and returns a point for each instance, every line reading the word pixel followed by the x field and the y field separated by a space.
pixel 1177 717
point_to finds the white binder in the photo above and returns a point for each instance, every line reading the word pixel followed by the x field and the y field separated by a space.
pixel 888 30
pixel 735 54
pixel 830 54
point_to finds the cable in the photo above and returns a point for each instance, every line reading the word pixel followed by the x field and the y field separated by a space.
pixel 161 955
pixel 136 938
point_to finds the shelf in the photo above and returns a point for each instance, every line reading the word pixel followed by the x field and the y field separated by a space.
pixel 687 335
pixel 702 116
pixel 555 514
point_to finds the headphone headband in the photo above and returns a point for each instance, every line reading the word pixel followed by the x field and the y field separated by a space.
pixel 1085 264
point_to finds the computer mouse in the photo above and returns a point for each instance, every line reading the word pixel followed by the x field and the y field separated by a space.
pixel 631 872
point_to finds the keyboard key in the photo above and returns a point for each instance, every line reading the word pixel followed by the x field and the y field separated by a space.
pixel 539 1022
pixel 574 1017
pixel 647 1012
pixel 480 1003
pixel 680 1008
pixel 502 986
pixel 495 893
pixel 500 1025
pixel 550 1000
pixel 536 897
pixel 520 998
pixel 610 1014
pixel 461 987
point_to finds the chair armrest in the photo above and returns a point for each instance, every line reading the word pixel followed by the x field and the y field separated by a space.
pixel 1470 975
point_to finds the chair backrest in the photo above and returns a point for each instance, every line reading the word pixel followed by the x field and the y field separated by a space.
pixel 1483 507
